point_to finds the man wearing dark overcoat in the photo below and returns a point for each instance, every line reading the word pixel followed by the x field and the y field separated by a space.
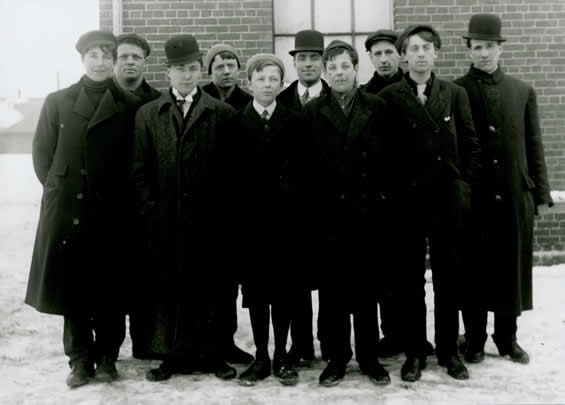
pixel 512 183
pixel 434 137
pixel 307 60
pixel 344 143
pixel 174 175
pixel 81 150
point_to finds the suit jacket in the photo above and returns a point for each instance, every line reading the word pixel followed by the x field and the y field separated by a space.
pixel 290 98
pixel 512 181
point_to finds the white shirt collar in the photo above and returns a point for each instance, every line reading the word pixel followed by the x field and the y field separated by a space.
pixel 270 108
pixel 313 91
pixel 189 97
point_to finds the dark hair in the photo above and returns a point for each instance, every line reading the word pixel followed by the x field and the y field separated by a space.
pixel 333 51
pixel 262 64
pixel 426 35
pixel 135 41
pixel 111 49
pixel 469 42
pixel 224 55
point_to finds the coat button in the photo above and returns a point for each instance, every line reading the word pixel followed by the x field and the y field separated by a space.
pixel 364 154
pixel 64 242
pixel 76 221
pixel 80 196
pixel 364 175
pixel 492 129
pixel 62 125
pixel 342 197
pixel 438 158
pixel 495 162
pixel 363 196
pixel 498 197
pixel 83 172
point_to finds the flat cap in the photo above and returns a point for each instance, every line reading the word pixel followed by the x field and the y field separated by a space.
pixel 308 41
pixel 260 57
pixel 95 38
pixel 380 35
pixel 414 29
pixel 134 39
pixel 182 49
pixel 338 43
pixel 215 50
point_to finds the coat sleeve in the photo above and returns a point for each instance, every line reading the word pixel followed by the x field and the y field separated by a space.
pixel 45 139
pixel 468 142
pixel 534 149
pixel 142 165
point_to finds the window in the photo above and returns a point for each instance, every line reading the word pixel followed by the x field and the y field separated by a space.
pixel 348 20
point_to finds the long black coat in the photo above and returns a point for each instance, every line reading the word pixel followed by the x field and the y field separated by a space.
pixel 513 180
pixel 346 189
pixel 264 192
pixel 81 157
pixel 290 99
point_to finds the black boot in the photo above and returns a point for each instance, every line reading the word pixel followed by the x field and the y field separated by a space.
pixel 411 370
pixel 332 374
pixel 106 370
pixel 284 372
pixel 257 371
pixel 514 350
pixel 161 373
pixel 455 367
pixel 376 372
pixel 81 373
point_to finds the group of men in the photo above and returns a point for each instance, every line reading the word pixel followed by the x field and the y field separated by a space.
pixel 160 205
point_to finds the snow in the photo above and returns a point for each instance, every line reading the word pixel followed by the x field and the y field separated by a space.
pixel 33 367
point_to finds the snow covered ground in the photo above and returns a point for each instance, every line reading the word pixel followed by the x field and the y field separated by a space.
pixel 33 367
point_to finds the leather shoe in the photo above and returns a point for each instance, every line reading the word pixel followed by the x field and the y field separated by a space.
pixel 515 352
pixel 81 373
pixel 455 367
pixel 284 372
pixel 472 353
pixel 257 371
pixel 388 347
pixel 235 355
pixel 161 373
pixel 376 373
pixel 411 370
pixel 332 374
pixel 224 371
pixel 106 370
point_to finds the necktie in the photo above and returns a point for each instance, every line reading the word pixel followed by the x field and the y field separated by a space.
pixel 421 96
pixel 184 104
pixel 305 97
pixel 265 116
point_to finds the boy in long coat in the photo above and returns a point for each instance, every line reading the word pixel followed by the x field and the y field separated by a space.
pixel 512 183
pixel 81 151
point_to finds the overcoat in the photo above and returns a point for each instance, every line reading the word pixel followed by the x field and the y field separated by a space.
pixel 81 157
pixel 264 160
pixel 346 188
pixel 174 176
pixel 512 182
pixel 378 82
pixel 289 97
pixel 238 98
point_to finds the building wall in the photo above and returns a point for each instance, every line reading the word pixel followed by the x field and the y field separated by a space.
pixel 534 52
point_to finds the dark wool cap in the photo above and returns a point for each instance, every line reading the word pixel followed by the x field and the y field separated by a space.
pixel 255 59
pixel 182 49
pixel 414 29
pixel 380 35
pixel 486 27
pixel 92 39
pixel 132 38
pixel 308 41
pixel 215 50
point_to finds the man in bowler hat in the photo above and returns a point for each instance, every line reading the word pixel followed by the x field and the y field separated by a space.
pixel 512 184
pixel 432 129
pixel 307 60
pixel 174 173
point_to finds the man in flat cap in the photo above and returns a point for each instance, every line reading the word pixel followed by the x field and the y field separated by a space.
pixel 307 60
pixel 343 133
pixel 380 46
pixel 174 175
pixel 432 129
pixel 222 63
pixel 80 155
pixel 512 184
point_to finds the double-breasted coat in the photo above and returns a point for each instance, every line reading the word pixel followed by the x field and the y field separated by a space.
pixel 512 182
pixel 174 173
pixel 81 157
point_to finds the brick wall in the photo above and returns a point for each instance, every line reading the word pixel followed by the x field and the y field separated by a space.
pixel 535 52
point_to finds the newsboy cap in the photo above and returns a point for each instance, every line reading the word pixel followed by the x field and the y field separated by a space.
pixel 260 57
pixel 486 27
pixel 215 50
pixel 95 38
pixel 380 35
pixel 134 39
pixel 182 49
pixel 414 29
pixel 308 41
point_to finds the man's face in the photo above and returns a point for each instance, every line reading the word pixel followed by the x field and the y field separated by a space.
pixel 341 72
pixel 420 54
pixel 131 62
pixel 385 58
pixel 266 84
pixel 98 65
pixel 308 67
pixel 485 54
pixel 184 77
pixel 224 72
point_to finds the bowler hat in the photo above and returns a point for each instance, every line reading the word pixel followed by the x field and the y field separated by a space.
pixel 414 29
pixel 484 26
pixel 133 38
pixel 215 50
pixel 308 41
pixel 380 35
pixel 95 38
pixel 182 49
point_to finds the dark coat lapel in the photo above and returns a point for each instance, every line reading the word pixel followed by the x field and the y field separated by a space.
pixel 202 104
pixel 106 109
pixel 438 101
pixel 82 105
pixel 360 114
pixel 334 114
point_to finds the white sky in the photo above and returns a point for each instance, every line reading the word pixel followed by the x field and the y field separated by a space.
pixel 37 40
